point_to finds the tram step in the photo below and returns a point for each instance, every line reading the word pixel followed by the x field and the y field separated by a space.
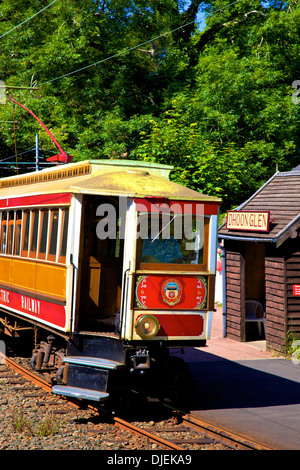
pixel 80 393
pixel 101 347
pixel 93 362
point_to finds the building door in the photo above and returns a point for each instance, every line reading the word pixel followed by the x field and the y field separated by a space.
pixel 254 287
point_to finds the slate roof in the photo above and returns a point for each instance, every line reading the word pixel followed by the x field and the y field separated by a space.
pixel 281 196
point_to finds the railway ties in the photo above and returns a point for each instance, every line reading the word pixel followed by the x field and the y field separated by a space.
pixel 174 434
pixel 174 437
pixel 233 440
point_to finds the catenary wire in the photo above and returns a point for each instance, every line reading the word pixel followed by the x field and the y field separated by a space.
pixel 28 19
pixel 21 153
pixel 125 51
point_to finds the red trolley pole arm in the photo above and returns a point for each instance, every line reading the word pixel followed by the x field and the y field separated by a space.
pixel 62 153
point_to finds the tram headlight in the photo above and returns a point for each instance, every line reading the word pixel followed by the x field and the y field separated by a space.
pixel 147 326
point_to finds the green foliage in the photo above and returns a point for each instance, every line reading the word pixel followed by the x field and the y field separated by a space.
pixel 215 103
pixel 235 123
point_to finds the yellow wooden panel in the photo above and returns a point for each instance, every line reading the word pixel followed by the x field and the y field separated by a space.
pixel 23 273
pixel 51 280
pixel 5 270
pixel 95 272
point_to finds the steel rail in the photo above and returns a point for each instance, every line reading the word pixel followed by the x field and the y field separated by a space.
pixel 140 431
pixel 27 374
pixel 234 440
pixel 32 377
pixel 227 437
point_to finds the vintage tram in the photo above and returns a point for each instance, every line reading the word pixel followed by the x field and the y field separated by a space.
pixel 107 264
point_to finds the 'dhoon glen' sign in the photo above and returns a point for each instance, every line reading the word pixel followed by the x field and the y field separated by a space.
pixel 251 221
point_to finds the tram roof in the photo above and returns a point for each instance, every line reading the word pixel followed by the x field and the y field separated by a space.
pixel 105 177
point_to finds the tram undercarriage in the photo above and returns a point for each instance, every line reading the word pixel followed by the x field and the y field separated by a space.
pixel 97 367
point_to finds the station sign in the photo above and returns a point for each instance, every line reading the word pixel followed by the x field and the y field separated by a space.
pixel 250 221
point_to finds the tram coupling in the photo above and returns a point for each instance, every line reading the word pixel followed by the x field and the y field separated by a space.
pixel 140 361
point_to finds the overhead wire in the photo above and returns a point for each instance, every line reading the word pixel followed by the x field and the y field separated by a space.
pixel 129 49
pixel 21 153
pixel 5 34
pixel 125 51
pixel 28 19
pixel 15 138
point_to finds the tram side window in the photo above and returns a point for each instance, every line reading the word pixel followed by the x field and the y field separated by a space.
pixel 3 232
pixel 64 236
pixel 18 232
pixel 44 217
pixel 10 233
pixel 53 235
pixel 25 235
pixel 34 233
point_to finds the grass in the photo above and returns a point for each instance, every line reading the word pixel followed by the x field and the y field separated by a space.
pixel 47 427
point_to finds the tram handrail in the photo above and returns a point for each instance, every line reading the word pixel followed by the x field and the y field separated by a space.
pixel 124 298
pixel 73 290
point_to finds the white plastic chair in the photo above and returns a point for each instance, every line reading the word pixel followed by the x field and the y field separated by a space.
pixel 252 308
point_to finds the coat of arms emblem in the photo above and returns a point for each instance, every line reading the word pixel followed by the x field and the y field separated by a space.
pixel 171 291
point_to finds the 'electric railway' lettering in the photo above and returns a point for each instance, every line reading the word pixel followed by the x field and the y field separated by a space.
pixel 27 303
pixel 4 296
pixel 31 305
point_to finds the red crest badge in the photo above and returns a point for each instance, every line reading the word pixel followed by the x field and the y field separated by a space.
pixel 171 291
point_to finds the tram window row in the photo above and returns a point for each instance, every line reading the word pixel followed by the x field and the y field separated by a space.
pixel 36 233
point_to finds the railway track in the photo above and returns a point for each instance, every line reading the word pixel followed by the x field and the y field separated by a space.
pixel 231 439
pixel 183 432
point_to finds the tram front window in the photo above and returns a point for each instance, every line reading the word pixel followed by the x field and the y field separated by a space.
pixel 170 239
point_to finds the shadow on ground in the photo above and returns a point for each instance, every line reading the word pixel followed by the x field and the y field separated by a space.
pixel 223 384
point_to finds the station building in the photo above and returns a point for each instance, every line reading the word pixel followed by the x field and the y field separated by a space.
pixel 261 264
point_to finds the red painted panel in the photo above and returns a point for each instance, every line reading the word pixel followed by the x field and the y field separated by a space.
pixel 40 200
pixel 177 207
pixel 171 292
pixel 37 309
pixel 179 325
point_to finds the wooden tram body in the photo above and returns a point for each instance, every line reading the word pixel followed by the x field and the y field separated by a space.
pixel 71 263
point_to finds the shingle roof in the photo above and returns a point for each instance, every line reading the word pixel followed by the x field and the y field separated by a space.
pixel 281 196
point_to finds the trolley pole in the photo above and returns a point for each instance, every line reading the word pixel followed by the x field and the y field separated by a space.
pixel 37 152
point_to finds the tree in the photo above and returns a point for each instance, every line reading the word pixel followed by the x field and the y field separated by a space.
pixel 124 86
pixel 238 103
pixel 138 79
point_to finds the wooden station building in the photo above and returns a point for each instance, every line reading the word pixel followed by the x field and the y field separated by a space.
pixel 261 262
